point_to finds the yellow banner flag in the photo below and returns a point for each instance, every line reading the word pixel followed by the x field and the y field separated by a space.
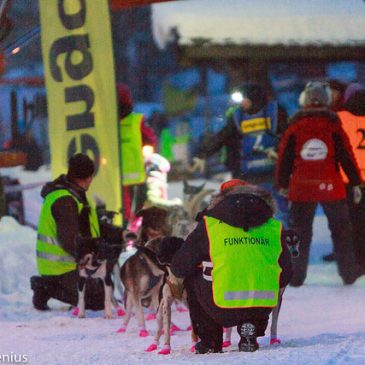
pixel 80 80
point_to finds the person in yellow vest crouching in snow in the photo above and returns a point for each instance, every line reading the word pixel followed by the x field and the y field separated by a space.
pixel 66 213
pixel 234 263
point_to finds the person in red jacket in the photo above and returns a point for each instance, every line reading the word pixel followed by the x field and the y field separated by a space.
pixel 311 152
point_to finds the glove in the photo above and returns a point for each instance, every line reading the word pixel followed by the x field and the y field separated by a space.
pixel 357 194
pixel 198 164
pixel 283 192
pixel 271 153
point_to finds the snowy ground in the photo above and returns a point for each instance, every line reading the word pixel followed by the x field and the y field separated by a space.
pixel 322 322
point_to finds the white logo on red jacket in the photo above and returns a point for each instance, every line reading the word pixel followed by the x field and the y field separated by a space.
pixel 314 150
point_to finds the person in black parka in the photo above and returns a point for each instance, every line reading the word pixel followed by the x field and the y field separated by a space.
pixel 242 205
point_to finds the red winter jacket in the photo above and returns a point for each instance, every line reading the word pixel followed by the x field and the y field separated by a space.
pixel 310 152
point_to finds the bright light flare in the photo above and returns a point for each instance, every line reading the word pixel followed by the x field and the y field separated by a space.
pixel 15 50
pixel 237 97
pixel 147 151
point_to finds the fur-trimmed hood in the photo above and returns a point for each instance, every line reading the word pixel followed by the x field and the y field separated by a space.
pixel 242 206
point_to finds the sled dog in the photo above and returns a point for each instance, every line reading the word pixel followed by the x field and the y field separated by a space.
pixel 142 277
pixel 172 289
pixel 96 259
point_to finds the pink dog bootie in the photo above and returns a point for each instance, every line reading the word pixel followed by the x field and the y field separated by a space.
pixel 122 329
pixel 166 350
pixel 152 347
pixel 143 333
pixel 275 342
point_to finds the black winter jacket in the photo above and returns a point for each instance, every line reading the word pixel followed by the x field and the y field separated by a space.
pixel 252 211
pixel 68 220
pixel 65 212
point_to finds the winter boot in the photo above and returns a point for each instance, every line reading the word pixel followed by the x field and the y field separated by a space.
pixel 200 348
pixel 40 295
pixel 248 341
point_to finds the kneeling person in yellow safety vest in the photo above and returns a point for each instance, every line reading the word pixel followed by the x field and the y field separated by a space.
pixel 234 263
pixel 66 212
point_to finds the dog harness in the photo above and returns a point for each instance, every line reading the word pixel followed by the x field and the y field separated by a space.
pixel 245 267
pixel 52 259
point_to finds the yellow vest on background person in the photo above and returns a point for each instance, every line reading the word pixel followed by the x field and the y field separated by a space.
pixel 354 126
pixel 52 259
pixel 133 171
pixel 246 270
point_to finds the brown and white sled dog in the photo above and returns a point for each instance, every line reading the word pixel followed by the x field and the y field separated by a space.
pixel 172 289
pixel 292 241
pixel 142 277
pixel 96 260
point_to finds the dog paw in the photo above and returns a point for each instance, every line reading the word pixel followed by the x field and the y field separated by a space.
pixel 151 316
pixel 166 350
pixel 226 343
pixel 151 348
pixel 81 315
pixel 122 330
pixel 120 312
pixel 75 312
pixel 143 333
pixel 181 309
pixel 192 349
pixel 108 315
pixel 275 342
pixel 174 329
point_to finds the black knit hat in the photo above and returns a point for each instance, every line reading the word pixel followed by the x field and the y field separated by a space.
pixel 80 166
pixel 256 93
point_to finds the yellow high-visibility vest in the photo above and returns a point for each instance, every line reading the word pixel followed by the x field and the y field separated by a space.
pixel 133 171
pixel 246 268
pixel 52 259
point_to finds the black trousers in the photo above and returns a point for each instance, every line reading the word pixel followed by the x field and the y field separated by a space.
pixel 209 330
pixel 301 215
pixel 357 216
pixel 64 288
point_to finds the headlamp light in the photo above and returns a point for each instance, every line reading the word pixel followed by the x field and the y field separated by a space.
pixel 237 97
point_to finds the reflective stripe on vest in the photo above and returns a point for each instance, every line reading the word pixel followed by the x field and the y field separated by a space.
pixel 133 171
pixel 354 126
pixel 246 270
pixel 55 258
pixel 52 259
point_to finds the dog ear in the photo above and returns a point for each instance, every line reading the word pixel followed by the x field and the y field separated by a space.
pixel 168 248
